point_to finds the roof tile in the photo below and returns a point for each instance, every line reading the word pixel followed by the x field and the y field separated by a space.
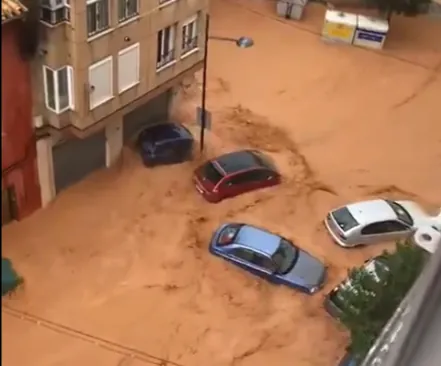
pixel 12 9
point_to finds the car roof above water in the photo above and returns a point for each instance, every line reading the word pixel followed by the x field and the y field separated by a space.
pixel 166 131
pixel 367 212
pixel 258 239
pixel 238 161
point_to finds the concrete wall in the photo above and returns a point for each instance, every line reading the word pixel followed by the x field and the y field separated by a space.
pixel 18 141
pixel 114 142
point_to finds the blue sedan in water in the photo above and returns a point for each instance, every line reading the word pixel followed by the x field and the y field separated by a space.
pixel 269 256
pixel 165 143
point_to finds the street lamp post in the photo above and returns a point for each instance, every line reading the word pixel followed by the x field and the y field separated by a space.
pixel 243 42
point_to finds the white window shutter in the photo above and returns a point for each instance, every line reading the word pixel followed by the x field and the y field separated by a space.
pixel 101 82
pixel 128 67
pixel 70 81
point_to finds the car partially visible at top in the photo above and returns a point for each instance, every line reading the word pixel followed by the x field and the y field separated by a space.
pixel 165 143
pixel 235 173
pixel 269 256
pixel 374 221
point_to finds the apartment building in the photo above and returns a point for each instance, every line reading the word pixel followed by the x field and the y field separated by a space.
pixel 106 68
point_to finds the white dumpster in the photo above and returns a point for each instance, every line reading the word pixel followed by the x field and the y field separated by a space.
pixel 371 32
pixel 339 26
pixel 291 9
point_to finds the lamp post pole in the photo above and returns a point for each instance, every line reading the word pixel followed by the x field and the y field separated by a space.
pixel 204 84
pixel 242 42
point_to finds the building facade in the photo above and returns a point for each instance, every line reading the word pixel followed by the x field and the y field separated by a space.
pixel 20 187
pixel 106 68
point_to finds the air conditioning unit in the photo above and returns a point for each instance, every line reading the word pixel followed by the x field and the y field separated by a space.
pixel 428 238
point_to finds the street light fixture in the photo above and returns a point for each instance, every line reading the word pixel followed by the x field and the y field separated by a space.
pixel 242 42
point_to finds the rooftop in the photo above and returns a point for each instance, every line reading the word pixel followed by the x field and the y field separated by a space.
pixel 12 9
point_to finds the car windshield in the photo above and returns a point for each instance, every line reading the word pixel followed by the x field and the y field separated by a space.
pixel 401 213
pixel 344 219
pixel 211 173
pixel 284 257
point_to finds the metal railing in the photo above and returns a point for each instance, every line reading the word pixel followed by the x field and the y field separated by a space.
pixel 189 44
pixel 165 58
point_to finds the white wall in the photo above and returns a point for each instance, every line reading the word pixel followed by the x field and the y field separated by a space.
pixel 114 142
pixel 45 167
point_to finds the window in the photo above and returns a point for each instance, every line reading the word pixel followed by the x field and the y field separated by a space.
pixel 263 262
pixel 97 16
pixel 189 35
pixel 285 256
pixel 128 67
pixel 377 228
pixel 58 88
pixel 211 173
pixel 244 254
pixel 127 9
pixel 394 226
pixel 242 178
pixel 344 219
pixel 101 82
pixel 54 12
pixel 166 45
pixel 401 213
pixel 257 175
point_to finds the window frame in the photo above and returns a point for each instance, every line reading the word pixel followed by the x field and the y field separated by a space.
pixel 194 37
pixel 53 8
pixel 112 91
pixel 109 17
pixel 70 89
pixel 127 17
pixel 160 64
pixel 122 52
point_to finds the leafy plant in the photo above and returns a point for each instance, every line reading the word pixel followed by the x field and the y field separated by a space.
pixel 376 290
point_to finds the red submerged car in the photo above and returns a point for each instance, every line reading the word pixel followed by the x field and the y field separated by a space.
pixel 232 174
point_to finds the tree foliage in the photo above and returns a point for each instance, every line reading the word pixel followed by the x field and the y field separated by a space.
pixel 374 295
pixel 406 7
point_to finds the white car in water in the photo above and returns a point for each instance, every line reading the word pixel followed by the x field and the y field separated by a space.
pixel 374 221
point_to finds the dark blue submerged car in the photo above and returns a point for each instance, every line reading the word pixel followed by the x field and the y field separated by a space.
pixel 269 256
pixel 165 143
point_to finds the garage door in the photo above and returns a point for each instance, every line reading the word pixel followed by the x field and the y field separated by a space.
pixel 154 111
pixel 74 159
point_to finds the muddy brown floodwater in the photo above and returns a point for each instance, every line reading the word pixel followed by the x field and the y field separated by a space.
pixel 122 256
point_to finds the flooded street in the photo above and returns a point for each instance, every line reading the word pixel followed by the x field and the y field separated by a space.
pixel 122 256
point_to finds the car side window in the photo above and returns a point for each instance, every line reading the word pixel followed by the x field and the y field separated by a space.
pixel 257 175
pixel 263 262
pixel 377 228
pixel 239 178
pixel 244 254
pixel 394 226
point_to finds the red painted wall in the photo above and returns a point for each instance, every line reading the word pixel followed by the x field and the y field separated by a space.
pixel 19 168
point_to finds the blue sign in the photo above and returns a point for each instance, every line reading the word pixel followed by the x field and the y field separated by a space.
pixel 370 36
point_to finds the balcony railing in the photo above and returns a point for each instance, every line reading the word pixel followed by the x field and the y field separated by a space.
pixel 189 44
pixel 165 59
